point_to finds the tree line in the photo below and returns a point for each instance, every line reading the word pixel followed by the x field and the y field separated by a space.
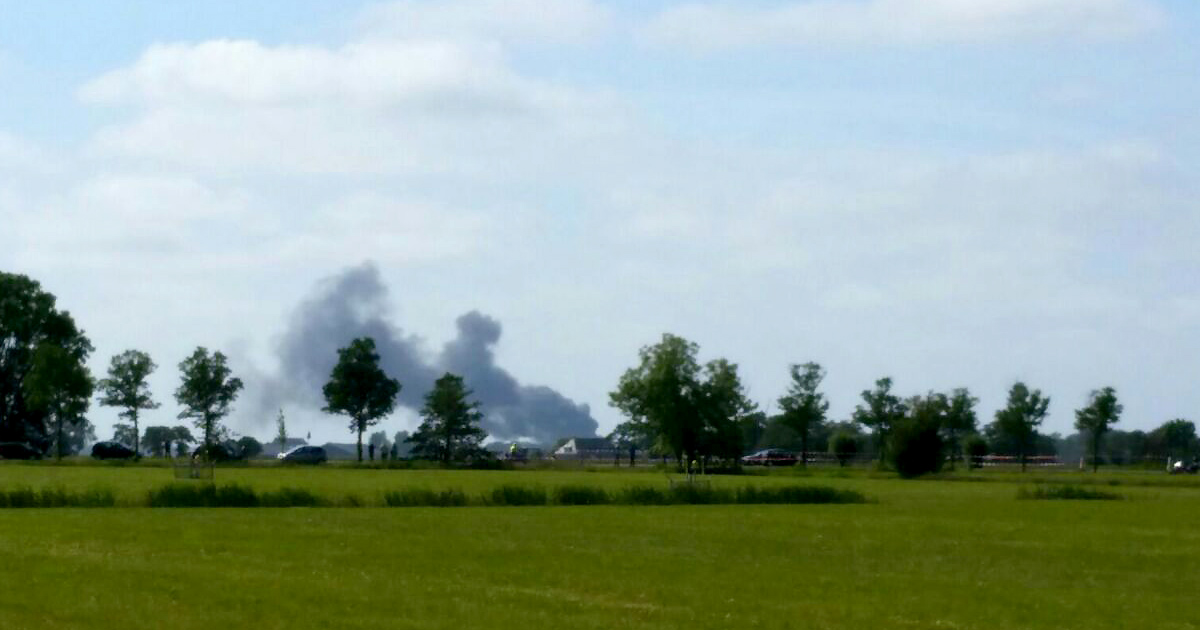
pixel 46 390
pixel 674 405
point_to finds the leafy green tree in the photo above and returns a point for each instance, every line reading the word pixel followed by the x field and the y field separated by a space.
pixel 123 434
pixel 28 321
pixel 844 446
pixel 960 420
pixel 690 411
pixel 917 447
pixel 1021 417
pixel 1174 438
pixel 976 448
pixel 183 437
pixel 880 413
pixel 127 389
pixel 249 447
pixel 754 427
pixel 804 407
pixel 359 388
pixel 60 385
pixel 281 435
pixel 1097 418
pixel 449 428
pixel 159 439
pixel 207 392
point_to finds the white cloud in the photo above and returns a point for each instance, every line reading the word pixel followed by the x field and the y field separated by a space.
pixel 517 21
pixel 901 22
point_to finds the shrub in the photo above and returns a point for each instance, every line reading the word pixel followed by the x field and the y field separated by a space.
pixel 517 495
pixel 56 497
pixel 289 497
pixel 642 495
pixel 202 495
pixel 1070 493
pixel 422 497
pixel 844 447
pixel 796 495
pixel 976 448
pixel 916 449
pixel 580 495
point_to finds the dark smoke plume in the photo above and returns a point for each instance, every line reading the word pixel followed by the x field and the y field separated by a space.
pixel 354 304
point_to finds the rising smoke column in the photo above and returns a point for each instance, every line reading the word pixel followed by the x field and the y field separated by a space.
pixel 354 304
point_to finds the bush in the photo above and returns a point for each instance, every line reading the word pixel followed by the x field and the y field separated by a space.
pixel 202 495
pixel 1070 493
pixel 580 495
pixel 289 497
pixel 422 497
pixel 642 495
pixel 796 495
pixel 975 448
pixel 56 497
pixel 916 449
pixel 517 495
pixel 844 447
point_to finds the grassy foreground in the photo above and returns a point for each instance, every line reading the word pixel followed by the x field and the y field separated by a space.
pixel 929 554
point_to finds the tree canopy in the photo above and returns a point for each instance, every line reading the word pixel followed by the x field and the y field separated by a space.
pixel 881 411
pixel 803 407
pixel 1095 419
pixel 28 321
pixel 359 388
pixel 449 430
pixel 60 386
pixel 1021 417
pixel 126 388
pixel 207 392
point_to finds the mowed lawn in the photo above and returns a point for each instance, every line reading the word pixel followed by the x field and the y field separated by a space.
pixel 927 554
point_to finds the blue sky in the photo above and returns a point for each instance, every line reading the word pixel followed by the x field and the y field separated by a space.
pixel 951 192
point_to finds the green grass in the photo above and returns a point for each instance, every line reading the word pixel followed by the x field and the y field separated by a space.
pixel 926 554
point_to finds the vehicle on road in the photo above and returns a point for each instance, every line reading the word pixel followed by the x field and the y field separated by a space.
pixel 18 450
pixel 304 455
pixel 111 450
pixel 771 457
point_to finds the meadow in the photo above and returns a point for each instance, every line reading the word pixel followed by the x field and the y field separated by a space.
pixel 962 551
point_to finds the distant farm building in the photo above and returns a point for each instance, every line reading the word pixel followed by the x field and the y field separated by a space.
pixel 586 448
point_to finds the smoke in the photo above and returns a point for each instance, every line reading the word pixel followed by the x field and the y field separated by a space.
pixel 354 304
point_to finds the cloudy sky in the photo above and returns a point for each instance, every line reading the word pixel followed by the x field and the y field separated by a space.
pixel 950 192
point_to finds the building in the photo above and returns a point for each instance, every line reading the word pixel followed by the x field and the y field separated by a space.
pixel 586 448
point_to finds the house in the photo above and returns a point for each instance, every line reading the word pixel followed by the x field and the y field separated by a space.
pixel 586 448
pixel 271 449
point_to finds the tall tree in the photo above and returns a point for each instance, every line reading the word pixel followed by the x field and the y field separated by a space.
pixel 359 388
pixel 688 410
pixel 803 407
pixel 207 392
pixel 29 320
pixel 1100 414
pixel 1021 417
pixel 880 413
pixel 449 428
pixel 127 389
pixel 59 385
pixel 158 439
pixel 281 435
pixel 1174 438
pixel 960 420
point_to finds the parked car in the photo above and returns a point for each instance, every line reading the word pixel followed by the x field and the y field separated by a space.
pixel 771 457
pixel 226 451
pixel 304 455
pixel 18 450
pixel 1180 467
pixel 111 450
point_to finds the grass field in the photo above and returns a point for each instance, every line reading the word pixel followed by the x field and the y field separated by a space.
pixel 926 554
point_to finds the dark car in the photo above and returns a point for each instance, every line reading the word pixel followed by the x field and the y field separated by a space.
pixel 304 455
pixel 18 450
pixel 771 457
pixel 112 450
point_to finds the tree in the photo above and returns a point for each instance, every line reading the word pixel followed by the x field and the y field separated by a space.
pixel 359 388
pixel 59 385
pixel 960 420
pixel 1174 438
pixel 976 448
pixel 916 442
pixel 1021 417
pixel 183 437
pixel 882 411
pixel 207 392
pixel 803 406
pixel 126 388
pixel 449 428
pixel 249 447
pixel 281 426
pixel 123 434
pixel 28 321
pixel 1101 412
pixel 688 410
pixel 158 439
pixel 844 446
pixel 754 427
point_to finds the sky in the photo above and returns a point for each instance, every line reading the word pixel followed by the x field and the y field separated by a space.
pixel 953 193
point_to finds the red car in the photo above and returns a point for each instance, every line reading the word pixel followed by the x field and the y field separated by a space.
pixel 771 457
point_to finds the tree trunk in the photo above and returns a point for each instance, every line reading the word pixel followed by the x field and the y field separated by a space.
pixel 1096 453
pixel 358 424
pixel 136 450
pixel 804 450
pixel 58 442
